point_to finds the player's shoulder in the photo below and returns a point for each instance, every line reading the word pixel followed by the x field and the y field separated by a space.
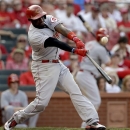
pixel 22 93
pixel 6 92
pixel 51 19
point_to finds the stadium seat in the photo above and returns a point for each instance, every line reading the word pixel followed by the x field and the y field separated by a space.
pixel 57 89
pixel 27 88
pixel 3 87
pixel 8 72
pixel 17 30
pixel 9 45
pixel 3 79
pixel 4 57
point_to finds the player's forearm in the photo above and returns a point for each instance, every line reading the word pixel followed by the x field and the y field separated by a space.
pixel 52 42
pixel 70 35
pixel 62 30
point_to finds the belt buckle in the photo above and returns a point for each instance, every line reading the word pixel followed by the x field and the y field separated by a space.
pixel 50 61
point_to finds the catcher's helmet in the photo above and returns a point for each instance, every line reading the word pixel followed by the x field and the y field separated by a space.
pixel 102 32
pixel 34 12
pixel 13 78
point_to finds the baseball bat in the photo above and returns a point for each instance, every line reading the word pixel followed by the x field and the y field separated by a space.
pixel 87 26
pixel 102 72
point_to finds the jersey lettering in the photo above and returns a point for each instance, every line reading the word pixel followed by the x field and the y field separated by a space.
pixel 53 19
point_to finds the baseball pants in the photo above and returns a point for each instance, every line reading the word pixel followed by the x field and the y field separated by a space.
pixel 88 86
pixel 47 76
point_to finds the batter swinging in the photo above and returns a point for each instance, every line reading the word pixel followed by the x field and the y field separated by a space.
pixel 48 71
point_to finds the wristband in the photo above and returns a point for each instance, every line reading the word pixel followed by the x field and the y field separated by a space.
pixel 73 49
pixel 71 35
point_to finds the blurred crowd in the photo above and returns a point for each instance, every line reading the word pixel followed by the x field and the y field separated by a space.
pixel 106 14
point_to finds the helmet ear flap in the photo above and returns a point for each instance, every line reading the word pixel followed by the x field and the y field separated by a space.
pixel 44 16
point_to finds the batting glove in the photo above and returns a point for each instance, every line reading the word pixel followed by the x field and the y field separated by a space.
pixel 81 52
pixel 78 42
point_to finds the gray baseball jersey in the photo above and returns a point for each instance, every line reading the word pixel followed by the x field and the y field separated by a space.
pixel 98 53
pixel 37 38
pixel 18 100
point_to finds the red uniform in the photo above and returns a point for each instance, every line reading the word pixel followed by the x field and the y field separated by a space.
pixel 21 17
pixel 3 49
pixel 26 78
pixel 6 19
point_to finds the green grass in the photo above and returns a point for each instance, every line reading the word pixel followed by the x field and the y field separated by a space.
pixel 56 128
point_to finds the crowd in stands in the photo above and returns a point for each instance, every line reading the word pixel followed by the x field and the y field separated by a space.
pixel 15 50
pixel 115 18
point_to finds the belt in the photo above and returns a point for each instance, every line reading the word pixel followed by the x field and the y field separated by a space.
pixel 88 71
pixel 50 61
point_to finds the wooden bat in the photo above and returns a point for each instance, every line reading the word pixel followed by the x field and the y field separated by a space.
pixel 87 26
pixel 102 72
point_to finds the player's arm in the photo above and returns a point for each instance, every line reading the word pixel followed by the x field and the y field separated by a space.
pixel 53 42
pixel 70 35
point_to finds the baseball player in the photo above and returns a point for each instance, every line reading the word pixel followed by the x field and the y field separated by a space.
pixel 13 100
pixel 86 77
pixel 48 71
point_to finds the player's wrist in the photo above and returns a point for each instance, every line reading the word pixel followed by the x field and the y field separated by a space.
pixel 71 36
pixel 73 50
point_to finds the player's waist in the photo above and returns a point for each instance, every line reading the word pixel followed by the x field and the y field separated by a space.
pixel 83 70
pixel 48 61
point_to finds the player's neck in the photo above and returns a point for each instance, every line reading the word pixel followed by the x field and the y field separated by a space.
pixel 15 91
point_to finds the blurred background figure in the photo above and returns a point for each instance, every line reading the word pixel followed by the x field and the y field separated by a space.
pixel 49 8
pixel 126 84
pixel 26 78
pixel 87 8
pixel 22 43
pixel 124 25
pixel 115 13
pixel 13 100
pixel 101 83
pixel 60 8
pixel 122 47
pixel 19 14
pixel 2 65
pixel 113 87
pixel 18 61
pixel 7 19
pixel 74 64
pixel 106 19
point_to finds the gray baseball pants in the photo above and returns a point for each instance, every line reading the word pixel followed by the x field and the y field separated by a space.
pixel 47 76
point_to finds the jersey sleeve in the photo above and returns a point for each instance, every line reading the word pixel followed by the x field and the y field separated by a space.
pixel 4 100
pixel 37 41
pixel 103 56
pixel 52 21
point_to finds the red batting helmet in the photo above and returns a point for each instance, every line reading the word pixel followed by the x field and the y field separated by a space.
pixel 34 12
pixel 13 78
pixel 102 32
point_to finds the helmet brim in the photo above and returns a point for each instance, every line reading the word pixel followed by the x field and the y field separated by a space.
pixel 38 16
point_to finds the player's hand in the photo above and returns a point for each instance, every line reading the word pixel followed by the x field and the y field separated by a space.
pixel 81 52
pixel 79 43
